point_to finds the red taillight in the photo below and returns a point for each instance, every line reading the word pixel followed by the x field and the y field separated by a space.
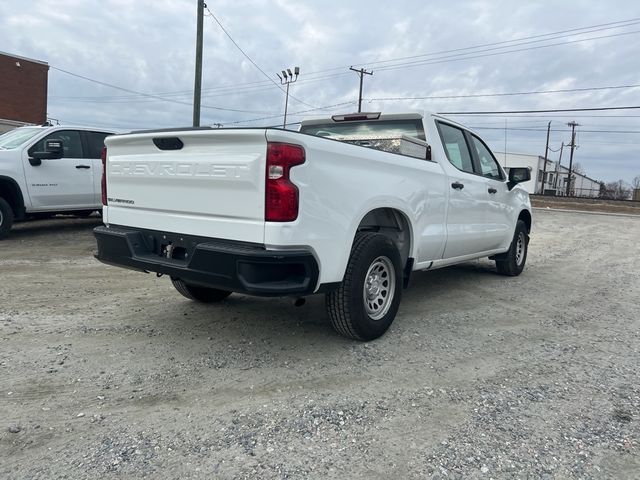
pixel 103 156
pixel 281 198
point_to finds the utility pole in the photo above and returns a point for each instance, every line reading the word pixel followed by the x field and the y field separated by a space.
pixel 558 167
pixel 197 87
pixel 546 151
pixel 573 126
pixel 288 80
pixel 361 72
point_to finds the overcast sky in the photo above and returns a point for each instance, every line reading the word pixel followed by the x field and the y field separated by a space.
pixel 148 47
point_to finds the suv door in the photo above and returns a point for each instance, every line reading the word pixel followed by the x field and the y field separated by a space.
pixel 64 183
pixel 466 216
pixel 499 211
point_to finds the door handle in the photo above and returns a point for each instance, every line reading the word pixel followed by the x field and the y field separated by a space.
pixel 83 166
pixel 493 190
pixel 457 185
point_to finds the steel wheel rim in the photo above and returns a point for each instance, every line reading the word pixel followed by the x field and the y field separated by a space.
pixel 520 249
pixel 379 288
pixel 1 218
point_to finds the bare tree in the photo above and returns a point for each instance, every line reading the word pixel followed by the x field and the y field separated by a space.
pixel 619 190
pixel 636 182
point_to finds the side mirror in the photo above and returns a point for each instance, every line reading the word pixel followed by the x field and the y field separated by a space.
pixel 54 148
pixel 518 175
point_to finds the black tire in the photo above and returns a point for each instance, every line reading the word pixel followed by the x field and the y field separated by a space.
pixel 6 218
pixel 355 313
pixel 199 294
pixel 512 262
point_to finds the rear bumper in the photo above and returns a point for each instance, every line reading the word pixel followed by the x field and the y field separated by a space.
pixel 228 265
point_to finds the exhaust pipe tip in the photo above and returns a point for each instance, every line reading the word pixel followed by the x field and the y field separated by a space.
pixel 298 302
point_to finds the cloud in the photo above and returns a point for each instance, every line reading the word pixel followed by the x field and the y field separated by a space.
pixel 148 46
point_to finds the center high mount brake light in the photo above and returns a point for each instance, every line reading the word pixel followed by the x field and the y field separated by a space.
pixel 356 116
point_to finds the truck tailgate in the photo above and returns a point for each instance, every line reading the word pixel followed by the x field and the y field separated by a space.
pixel 213 185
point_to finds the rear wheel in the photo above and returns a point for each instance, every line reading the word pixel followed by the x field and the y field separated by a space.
pixel 367 301
pixel 199 294
pixel 512 262
pixel 6 218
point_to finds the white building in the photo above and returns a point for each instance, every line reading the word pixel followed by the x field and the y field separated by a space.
pixel 555 176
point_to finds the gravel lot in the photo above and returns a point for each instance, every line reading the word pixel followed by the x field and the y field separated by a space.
pixel 108 373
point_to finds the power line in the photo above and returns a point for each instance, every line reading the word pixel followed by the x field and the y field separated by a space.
pixel 542 111
pixel 149 95
pixel 250 59
pixel 524 129
pixel 261 84
pixel 610 25
pixel 510 94
pixel 555 35
pixel 302 112
pixel 459 57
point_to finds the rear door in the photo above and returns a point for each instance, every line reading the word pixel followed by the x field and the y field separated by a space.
pixel 64 183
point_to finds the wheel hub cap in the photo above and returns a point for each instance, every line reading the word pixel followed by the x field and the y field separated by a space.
pixel 520 246
pixel 379 287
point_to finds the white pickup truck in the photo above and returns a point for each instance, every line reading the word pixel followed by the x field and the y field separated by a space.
pixel 49 169
pixel 348 206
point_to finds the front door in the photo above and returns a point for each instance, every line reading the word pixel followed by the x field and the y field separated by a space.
pixel 466 217
pixel 64 183
pixel 499 211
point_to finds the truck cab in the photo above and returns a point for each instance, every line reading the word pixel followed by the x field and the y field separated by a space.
pixel 49 169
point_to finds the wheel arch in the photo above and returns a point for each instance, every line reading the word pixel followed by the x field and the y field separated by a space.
pixel 394 224
pixel 10 191
pixel 525 216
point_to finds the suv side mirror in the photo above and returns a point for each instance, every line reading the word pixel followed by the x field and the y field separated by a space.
pixel 54 148
pixel 518 175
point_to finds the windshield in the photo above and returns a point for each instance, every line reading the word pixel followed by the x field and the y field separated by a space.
pixel 367 129
pixel 18 137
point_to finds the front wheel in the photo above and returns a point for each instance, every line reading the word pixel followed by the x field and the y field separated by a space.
pixel 512 262
pixel 199 294
pixel 6 218
pixel 367 301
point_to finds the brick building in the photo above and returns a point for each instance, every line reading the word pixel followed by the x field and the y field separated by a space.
pixel 23 91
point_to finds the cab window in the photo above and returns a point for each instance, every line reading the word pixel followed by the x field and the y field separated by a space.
pixel 70 139
pixel 488 164
pixel 456 148
pixel 95 142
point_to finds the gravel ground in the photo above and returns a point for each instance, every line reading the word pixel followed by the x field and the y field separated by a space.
pixel 108 373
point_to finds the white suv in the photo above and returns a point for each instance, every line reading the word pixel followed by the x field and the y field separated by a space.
pixel 48 170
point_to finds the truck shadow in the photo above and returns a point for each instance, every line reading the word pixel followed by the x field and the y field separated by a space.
pixel 242 317
pixel 56 225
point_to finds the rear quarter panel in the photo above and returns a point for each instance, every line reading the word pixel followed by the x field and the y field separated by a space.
pixel 339 184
